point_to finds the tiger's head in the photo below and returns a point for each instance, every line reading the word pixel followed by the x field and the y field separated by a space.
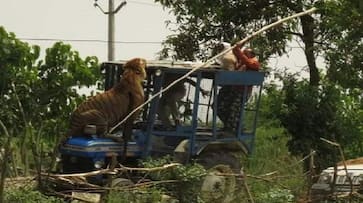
pixel 135 69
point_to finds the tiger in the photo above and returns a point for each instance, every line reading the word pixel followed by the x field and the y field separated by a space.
pixel 107 109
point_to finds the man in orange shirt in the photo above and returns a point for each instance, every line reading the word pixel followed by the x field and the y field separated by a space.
pixel 230 97
pixel 246 59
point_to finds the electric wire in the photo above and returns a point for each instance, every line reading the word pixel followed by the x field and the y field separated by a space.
pixel 89 40
pixel 144 3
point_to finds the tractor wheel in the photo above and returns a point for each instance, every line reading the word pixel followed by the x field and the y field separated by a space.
pixel 218 186
pixel 121 182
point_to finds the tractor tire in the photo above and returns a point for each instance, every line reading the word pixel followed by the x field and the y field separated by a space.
pixel 121 182
pixel 215 186
pixel 209 159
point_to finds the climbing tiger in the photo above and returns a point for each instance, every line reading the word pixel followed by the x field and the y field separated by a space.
pixel 105 110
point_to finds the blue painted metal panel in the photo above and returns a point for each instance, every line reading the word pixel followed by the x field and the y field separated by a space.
pixel 90 141
pixel 98 148
pixel 239 78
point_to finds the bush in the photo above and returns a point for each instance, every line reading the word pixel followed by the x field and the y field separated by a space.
pixel 184 186
pixel 189 178
pixel 29 195
pixel 142 195
pixel 276 195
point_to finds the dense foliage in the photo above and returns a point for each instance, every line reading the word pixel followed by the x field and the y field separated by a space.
pixel 325 106
pixel 309 114
pixel 325 112
pixel 202 24
pixel 341 25
pixel 45 89
pixel 37 96
pixel 29 195
pixel 333 32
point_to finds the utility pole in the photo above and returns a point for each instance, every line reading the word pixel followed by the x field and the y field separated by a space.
pixel 111 26
pixel 111 31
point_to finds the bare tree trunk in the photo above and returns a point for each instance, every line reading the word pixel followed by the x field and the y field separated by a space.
pixel 307 23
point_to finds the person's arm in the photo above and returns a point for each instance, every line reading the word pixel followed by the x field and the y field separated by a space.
pixel 251 63
pixel 192 82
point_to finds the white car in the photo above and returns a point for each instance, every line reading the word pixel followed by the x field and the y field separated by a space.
pixel 325 186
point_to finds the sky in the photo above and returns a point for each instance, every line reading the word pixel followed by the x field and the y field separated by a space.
pixel 139 25
pixel 139 28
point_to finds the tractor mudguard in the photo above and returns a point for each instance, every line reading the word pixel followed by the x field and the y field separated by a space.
pixel 181 152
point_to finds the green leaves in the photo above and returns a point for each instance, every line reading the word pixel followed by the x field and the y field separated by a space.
pixel 207 22
pixel 326 112
pixel 341 23
pixel 188 178
pixel 46 88
pixel 329 107
pixel 60 75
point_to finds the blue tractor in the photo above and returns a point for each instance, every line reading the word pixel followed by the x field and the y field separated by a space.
pixel 200 136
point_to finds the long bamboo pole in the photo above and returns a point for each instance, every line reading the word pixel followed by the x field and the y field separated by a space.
pixel 212 59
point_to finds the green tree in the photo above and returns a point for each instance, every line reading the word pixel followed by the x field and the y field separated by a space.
pixel 16 66
pixel 62 72
pixel 204 23
pixel 309 109
pixel 309 113
pixel 38 96
pixel 341 25
pixel 334 31
pixel 333 110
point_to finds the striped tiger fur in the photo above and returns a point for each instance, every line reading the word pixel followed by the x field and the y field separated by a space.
pixel 105 110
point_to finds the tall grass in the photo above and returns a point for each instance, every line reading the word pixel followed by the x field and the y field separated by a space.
pixel 274 175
